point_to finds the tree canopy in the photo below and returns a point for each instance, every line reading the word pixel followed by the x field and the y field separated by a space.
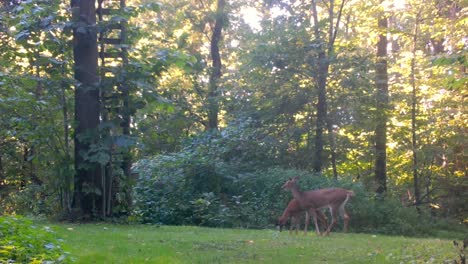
pixel 212 91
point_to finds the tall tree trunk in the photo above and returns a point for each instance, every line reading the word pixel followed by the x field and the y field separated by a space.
pixel 331 136
pixel 66 184
pixel 37 94
pixel 414 144
pixel 215 75
pixel 324 56
pixel 321 83
pixel 381 80
pixel 88 177
pixel 127 119
pixel 321 110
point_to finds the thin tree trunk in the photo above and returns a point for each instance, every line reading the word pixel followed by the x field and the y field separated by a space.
pixel 382 106
pixel 215 75
pixel 324 56
pixel 2 174
pixel 321 82
pixel 127 157
pixel 414 98
pixel 331 136
pixel 321 112
pixel 66 188
pixel 38 94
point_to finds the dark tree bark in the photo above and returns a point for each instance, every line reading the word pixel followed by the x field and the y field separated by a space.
pixel 325 54
pixel 66 184
pixel 414 110
pixel 127 157
pixel 2 173
pixel 215 75
pixel 381 80
pixel 321 111
pixel 88 178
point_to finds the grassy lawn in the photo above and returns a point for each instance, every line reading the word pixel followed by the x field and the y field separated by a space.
pixel 107 243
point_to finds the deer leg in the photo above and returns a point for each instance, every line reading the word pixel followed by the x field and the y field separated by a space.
pixel 323 219
pixel 306 223
pixel 298 224
pixel 291 225
pixel 345 220
pixel 295 223
pixel 344 214
pixel 314 214
pixel 334 220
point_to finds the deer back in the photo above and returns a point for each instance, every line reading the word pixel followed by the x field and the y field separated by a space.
pixel 325 197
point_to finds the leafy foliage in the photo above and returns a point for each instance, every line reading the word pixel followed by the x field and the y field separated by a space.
pixel 21 241
pixel 34 105
pixel 267 111
pixel 208 183
pixel 214 182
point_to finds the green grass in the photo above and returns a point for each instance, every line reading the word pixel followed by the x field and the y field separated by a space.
pixel 107 243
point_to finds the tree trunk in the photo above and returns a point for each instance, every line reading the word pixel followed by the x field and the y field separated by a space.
pixel 325 53
pixel 381 112
pixel 321 110
pixel 331 136
pixel 414 144
pixel 127 119
pixel 321 82
pixel 66 181
pixel 2 174
pixel 215 75
pixel 88 177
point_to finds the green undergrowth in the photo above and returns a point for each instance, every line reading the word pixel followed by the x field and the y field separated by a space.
pixel 23 241
pixel 107 243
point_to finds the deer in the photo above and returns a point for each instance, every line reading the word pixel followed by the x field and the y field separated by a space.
pixel 314 200
pixel 294 211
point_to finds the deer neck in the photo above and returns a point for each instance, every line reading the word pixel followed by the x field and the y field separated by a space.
pixel 283 218
pixel 298 194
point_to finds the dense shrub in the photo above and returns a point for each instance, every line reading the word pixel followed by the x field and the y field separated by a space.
pixel 200 184
pixel 31 200
pixel 218 180
pixel 23 242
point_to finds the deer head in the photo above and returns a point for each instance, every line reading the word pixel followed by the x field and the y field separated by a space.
pixel 291 183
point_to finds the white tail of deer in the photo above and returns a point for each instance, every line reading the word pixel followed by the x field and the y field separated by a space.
pixel 294 211
pixel 333 198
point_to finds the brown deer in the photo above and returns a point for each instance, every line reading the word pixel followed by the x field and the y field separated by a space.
pixel 333 198
pixel 294 211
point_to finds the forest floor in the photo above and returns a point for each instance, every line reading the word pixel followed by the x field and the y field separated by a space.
pixel 108 243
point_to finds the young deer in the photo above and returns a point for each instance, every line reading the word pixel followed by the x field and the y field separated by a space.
pixel 333 198
pixel 294 211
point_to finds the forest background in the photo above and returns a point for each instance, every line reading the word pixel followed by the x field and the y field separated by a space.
pixel 196 112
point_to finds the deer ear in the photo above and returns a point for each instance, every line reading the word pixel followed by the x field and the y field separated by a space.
pixel 296 178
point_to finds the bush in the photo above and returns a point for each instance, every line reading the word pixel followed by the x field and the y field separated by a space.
pixel 23 242
pixel 170 191
pixel 32 200
pixel 371 215
pixel 205 184
pixel 223 181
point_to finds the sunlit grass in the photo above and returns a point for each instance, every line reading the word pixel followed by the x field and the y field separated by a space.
pixel 106 243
